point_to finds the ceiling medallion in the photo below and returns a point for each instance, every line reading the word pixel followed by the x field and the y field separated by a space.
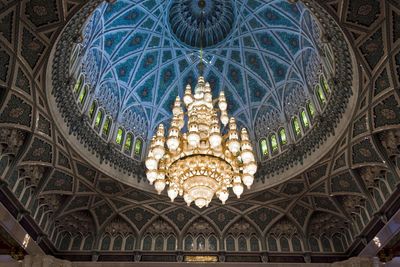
pixel 201 162
pixel 216 17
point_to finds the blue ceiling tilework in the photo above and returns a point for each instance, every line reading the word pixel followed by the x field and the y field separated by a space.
pixel 139 53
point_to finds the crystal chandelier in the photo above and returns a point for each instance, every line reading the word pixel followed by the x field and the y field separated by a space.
pixel 200 162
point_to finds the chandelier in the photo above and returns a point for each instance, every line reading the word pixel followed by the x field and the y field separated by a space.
pixel 198 161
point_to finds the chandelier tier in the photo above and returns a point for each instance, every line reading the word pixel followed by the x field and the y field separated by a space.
pixel 201 162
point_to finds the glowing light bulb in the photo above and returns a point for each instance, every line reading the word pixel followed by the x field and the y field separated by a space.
pixel 200 202
pixel 247 156
pixel 234 146
pixel 250 168
pixel 248 180
pixel 159 185
pixel 215 139
pixel 151 163
pixel 173 143
pixel 193 139
pixel 223 196
pixel 172 194
pixel 158 152
pixel 188 199
pixel 238 189
pixel 151 176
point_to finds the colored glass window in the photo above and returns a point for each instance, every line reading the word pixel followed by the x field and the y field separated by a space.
pixel 274 143
pixel 212 243
pixel 282 136
pixel 320 94
pixel 92 109
pixel 138 146
pixel 106 126
pixel 296 126
pixel 128 142
pixel 82 95
pixel 311 109
pixel 120 135
pixel 78 84
pixel 99 119
pixel 264 147
pixel 304 119
pixel 324 84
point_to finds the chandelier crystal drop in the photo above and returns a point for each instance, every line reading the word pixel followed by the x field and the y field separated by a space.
pixel 201 162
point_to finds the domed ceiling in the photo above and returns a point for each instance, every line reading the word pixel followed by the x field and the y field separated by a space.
pixel 74 209
pixel 142 54
pixel 135 57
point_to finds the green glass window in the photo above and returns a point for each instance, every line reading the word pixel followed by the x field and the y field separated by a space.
pixel 320 94
pixel 128 142
pixel 264 147
pixel 329 56
pixel 78 84
pixel 311 109
pixel 138 146
pixel 282 136
pixel 304 119
pixel 324 84
pixel 99 119
pixel 106 126
pixel 274 143
pixel 83 93
pixel 92 109
pixel 75 55
pixel 296 126
pixel 119 137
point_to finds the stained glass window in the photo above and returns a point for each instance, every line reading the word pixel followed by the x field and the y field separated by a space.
pixel 201 243
pixel 188 243
pixel 83 93
pixel 138 146
pixel 282 136
pixel 159 245
pixel 120 136
pixel 105 244
pixel 212 243
pixel 130 243
pixel 320 94
pixel 106 126
pixel 272 244
pixel 296 244
pixel 311 109
pixel 78 84
pixel 147 243
pixel 76 244
pixel 264 147
pixel 296 126
pixel 117 243
pixel 304 119
pixel 88 243
pixel 75 55
pixel 284 244
pixel 242 243
pixel 99 119
pixel 326 245
pixel 337 243
pixel 65 242
pixel 92 109
pixel 230 244
pixel 171 243
pixel 128 142
pixel 313 244
pixel 324 84
pixel 274 143
pixel 254 244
